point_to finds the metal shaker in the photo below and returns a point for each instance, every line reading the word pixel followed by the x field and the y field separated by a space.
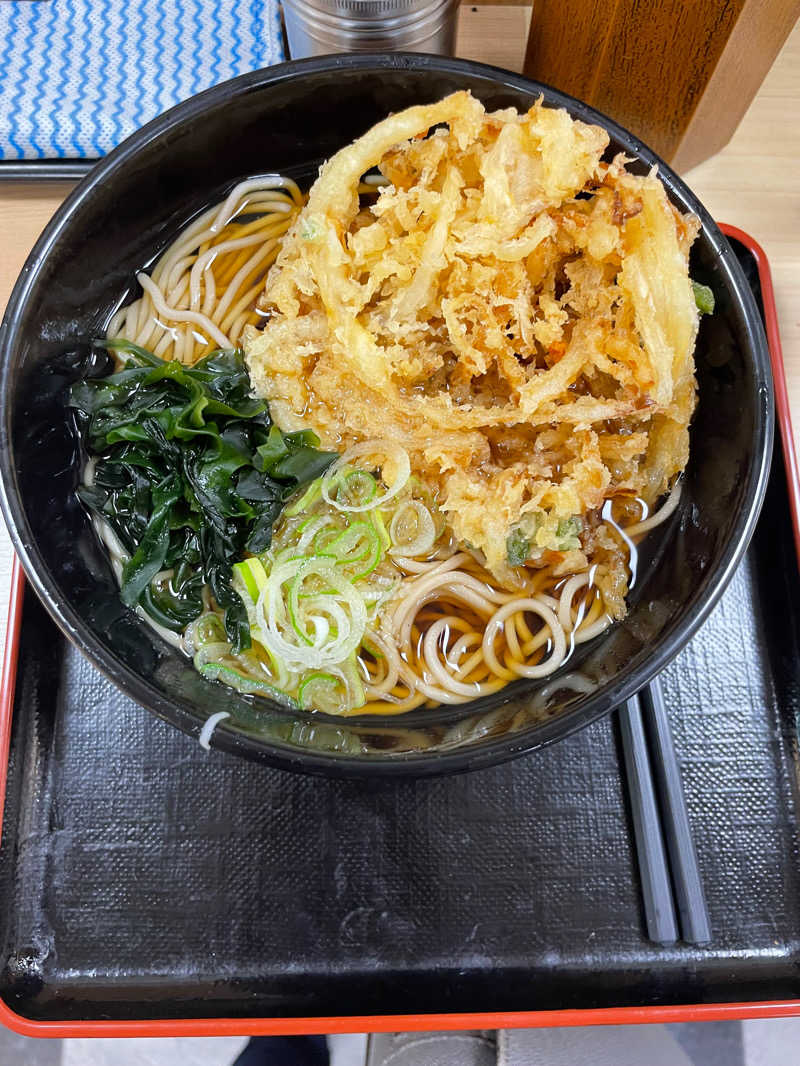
pixel 318 27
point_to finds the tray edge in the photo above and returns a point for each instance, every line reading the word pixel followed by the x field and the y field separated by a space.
pixel 416 1022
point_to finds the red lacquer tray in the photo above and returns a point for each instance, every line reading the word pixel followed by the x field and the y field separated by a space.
pixel 51 985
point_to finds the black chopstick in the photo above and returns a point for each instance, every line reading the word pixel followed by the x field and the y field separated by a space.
pixel 659 908
pixel 689 896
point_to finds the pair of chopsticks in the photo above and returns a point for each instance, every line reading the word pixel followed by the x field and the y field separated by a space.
pixel 664 845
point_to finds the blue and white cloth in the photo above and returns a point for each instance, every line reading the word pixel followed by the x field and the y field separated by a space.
pixel 78 76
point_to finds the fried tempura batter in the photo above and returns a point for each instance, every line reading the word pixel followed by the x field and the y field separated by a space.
pixel 513 311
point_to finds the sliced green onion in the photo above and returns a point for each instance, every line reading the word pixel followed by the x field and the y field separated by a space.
pixel 253 576
pixel 313 528
pixel 343 547
pixel 354 489
pixel 293 606
pixel 285 555
pixel 208 628
pixel 383 532
pixel 359 487
pixel 374 555
pixel 372 563
pixel 311 596
pixel 359 543
pixel 335 691
pixel 309 497
pixel 207 653
pixel 391 452
pixel 412 529
pixel 250 686
pixel 283 630
pixel 323 538
pixel 355 683
pixel 321 692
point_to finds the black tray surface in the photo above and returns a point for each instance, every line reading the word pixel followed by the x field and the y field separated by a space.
pixel 143 878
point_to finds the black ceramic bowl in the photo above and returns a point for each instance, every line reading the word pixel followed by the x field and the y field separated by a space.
pixel 289 119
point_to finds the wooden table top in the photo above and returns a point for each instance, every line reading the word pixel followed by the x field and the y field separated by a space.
pixel 752 183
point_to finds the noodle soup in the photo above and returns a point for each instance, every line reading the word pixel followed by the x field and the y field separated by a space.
pixel 393 444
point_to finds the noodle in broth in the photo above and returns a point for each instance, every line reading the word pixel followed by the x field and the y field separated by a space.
pixel 202 291
pixel 450 633
pixel 363 560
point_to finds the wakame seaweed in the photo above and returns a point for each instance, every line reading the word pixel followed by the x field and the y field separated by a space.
pixel 190 473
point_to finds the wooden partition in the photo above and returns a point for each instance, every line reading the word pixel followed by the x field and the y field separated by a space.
pixel 678 73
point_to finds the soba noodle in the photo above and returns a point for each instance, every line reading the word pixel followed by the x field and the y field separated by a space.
pixel 202 291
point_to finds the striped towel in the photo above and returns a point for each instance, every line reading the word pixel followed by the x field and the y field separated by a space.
pixel 78 76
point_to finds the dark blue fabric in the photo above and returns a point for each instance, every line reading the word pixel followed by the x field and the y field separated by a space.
pixel 285 1051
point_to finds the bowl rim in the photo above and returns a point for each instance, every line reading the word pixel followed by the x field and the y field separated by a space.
pixel 481 753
